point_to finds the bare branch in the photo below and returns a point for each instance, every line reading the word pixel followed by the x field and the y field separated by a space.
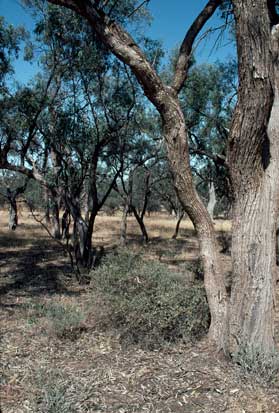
pixel 137 8
pixel 185 52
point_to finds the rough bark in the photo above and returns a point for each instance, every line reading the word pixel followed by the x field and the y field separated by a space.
pixel 178 154
pixel 254 160
pixel 81 240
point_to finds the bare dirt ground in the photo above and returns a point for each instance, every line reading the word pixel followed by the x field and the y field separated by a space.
pixel 94 373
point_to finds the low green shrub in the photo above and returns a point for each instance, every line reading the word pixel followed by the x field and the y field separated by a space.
pixel 62 320
pixel 66 321
pixel 263 367
pixel 148 303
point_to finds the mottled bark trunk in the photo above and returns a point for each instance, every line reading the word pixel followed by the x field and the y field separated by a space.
pixel 176 139
pixel 277 246
pixel 177 226
pixel 254 160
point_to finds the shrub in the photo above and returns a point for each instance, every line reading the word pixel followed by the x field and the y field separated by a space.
pixel 66 321
pixel 263 367
pixel 149 304
pixel 63 321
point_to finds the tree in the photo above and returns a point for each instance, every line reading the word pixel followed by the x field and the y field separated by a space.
pixel 10 38
pixel 136 178
pixel 12 186
pixel 165 99
pixel 208 100
pixel 253 157
pixel 70 129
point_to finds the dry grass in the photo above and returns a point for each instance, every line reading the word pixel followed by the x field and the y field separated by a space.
pixel 93 373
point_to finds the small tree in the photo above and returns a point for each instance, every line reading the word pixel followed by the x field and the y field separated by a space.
pixel 12 186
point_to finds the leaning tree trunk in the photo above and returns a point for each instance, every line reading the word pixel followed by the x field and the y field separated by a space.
pixel 140 221
pixel 175 134
pixel 254 160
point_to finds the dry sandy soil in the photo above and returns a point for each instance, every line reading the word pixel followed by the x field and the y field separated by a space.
pixel 93 372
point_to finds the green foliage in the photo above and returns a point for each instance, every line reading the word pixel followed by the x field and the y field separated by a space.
pixel 34 194
pixel 208 99
pixel 263 367
pixel 10 38
pixel 148 304
pixel 66 320
pixel 63 321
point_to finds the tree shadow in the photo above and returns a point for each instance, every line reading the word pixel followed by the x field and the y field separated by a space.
pixel 35 270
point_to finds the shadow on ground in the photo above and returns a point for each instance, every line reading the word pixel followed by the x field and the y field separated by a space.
pixel 32 268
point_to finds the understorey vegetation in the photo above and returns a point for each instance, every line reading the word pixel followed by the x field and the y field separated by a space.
pixel 149 304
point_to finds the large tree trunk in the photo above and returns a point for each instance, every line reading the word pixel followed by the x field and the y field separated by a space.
pixel 82 233
pixel 176 139
pixel 254 160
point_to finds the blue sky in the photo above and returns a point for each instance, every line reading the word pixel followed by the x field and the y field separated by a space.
pixel 171 20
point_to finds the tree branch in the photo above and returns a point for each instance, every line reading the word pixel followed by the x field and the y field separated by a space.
pixel 185 52
pixel 122 45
